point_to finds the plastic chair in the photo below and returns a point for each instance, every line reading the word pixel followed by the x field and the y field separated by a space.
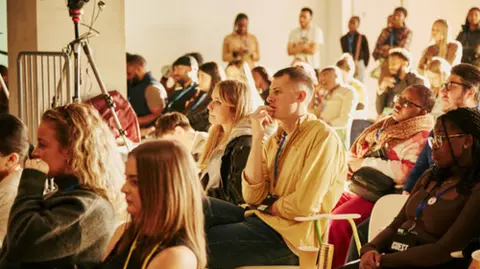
pixel 383 213
pixel 324 253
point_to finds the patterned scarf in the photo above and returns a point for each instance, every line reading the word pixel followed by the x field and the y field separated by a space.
pixel 387 131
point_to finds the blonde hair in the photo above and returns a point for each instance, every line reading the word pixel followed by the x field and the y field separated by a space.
pixel 91 146
pixel 236 95
pixel 440 67
pixel 171 200
pixel 443 46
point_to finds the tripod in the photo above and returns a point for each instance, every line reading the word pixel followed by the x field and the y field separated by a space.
pixel 76 47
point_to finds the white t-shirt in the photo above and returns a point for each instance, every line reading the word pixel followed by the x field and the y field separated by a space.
pixel 309 35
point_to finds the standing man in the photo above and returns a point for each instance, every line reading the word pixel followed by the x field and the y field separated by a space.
pixel 304 42
pixel 146 95
pixel 241 45
pixel 356 44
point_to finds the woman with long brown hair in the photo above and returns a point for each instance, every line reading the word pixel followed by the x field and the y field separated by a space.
pixel 164 198
pixel 67 223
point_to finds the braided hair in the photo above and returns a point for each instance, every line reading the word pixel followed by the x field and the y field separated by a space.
pixel 467 120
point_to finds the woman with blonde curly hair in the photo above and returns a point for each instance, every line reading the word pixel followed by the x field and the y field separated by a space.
pixel 164 198
pixel 63 215
pixel 226 151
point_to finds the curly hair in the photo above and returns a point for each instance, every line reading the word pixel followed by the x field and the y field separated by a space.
pixel 91 147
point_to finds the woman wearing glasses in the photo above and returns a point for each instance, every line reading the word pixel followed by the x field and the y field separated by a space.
pixel 388 149
pixel 441 215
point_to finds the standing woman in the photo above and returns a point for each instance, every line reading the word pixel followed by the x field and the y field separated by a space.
pixel 230 136
pixel 164 198
pixel 470 35
pixel 209 74
pixel 68 223
pixel 443 47
pixel 241 45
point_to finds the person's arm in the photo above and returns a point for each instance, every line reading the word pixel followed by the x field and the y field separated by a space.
pixel 423 62
pixel 179 257
pixel 238 161
pixel 155 95
pixel 381 50
pixel 114 240
pixel 312 47
pixel 420 167
pixel 454 53
pixel 456 238
pixel 407 41
pixel 256 50
pixel 323 167
pixel 40 229
pixel 343 45
pixel 227 54
pixel 6 202
pixel 366 50
pixel 408 152
pixel 293 46
pixel 254 177
pixel 349 104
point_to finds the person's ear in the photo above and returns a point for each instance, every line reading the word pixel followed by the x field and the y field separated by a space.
pixel 468 142
pixel 470 92
pixel 12 160
pixel 301 96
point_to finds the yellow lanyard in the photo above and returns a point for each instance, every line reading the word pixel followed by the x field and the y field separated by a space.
pixel 147 259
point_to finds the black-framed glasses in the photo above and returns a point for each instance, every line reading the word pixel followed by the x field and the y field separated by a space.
pixel 404 102
pixel 448 85
pixel 437 140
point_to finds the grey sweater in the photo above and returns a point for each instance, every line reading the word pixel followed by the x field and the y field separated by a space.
pixel 69 229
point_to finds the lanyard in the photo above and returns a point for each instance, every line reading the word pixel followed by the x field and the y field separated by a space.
pixel 147 259
pixel 180 95
pixel 379 132
pixel 199 101
pixel 71 187
pixel 432 200
pixel 279 150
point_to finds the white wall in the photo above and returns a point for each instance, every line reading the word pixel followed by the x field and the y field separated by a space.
pixel 162 31
pixel 3 31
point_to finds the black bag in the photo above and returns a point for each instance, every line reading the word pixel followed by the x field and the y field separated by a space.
pixel 370 183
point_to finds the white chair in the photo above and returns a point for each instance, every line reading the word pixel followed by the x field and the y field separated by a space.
pixel 383 213
pixel 315 251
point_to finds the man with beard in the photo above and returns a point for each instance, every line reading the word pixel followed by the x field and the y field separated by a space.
pixel 185 73
pixel 145 93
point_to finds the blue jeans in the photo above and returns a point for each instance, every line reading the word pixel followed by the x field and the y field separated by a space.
pixel 235 241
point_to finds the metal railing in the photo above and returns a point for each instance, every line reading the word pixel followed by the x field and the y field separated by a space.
pixel 44 81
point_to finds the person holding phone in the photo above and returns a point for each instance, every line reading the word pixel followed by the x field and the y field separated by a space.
pixel 13 151
pixel 68 223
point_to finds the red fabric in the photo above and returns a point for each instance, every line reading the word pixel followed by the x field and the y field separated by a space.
pixel 126 115
pixel 340 230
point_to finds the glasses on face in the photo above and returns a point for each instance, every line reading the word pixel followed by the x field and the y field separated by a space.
pixel 404 102
pixel 437 140
pixel 448 85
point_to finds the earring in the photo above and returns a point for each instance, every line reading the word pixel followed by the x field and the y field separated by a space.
pixel 465 146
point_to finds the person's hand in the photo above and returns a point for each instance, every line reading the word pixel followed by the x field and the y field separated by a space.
pixel 354 164
pixel 405 192
pixel 274 210
pixel 387 82
pixel 260 119
pixel 370 260
pixel 37 164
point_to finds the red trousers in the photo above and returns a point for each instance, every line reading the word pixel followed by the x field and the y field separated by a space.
pixel 340 230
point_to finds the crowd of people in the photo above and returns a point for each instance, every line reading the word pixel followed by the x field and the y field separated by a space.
pixel 230 158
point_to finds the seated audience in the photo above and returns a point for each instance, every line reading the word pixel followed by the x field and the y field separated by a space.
pixel 336 102
pixel 356 44
pixel 145 93
pixel 240 71
pixel 299 171
pixel 13 151
pixel 347 66
pixel 437 72
pixel 174 125
pixel 469 37
pixel 164 200
pixel 460 90
pixel 297 62
pixel 391 147
pixel 263 79
pixel 198 57
pixel 241 45
pixel 229 140
pixel 209 74
pixel 184 72
pixel 441 214
pixel 443 47
pixel 399 78
pixel 67 222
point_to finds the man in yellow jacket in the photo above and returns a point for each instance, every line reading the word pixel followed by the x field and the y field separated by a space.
pixel 299 171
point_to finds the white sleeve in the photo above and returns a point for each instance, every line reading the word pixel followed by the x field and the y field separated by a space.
pixel 318 35
pixel 292 37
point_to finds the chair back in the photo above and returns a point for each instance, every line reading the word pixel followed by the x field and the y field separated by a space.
pixel 383 213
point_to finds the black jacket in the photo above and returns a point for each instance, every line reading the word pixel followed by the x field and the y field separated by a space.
pixel 233 162
pixel 364 51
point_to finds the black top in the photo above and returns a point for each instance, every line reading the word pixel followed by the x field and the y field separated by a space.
pixel 117 260
pixel 364 50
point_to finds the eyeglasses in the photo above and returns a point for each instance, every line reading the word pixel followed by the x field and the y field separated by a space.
pixel 448 85
pixel 404 102
pixel 437 141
